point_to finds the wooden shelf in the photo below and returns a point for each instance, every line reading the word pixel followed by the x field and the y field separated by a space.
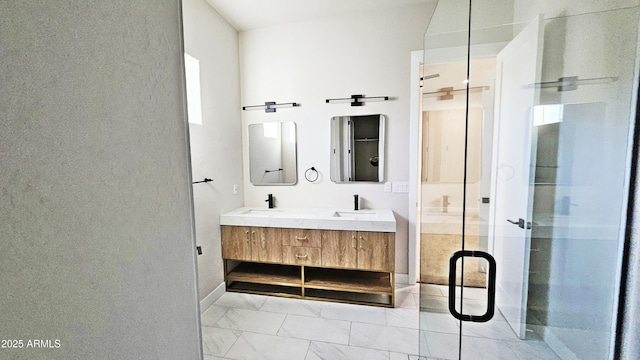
pixel 348 281
pixel 349 297
pixel 270 274
pixel 265 289
pixel 328 284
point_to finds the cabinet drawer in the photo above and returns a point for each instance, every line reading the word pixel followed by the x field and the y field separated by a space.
pixel 301 237
pixel 301 255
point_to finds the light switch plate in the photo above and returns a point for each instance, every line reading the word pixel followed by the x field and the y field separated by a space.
pixel 400 187
pixel 387 187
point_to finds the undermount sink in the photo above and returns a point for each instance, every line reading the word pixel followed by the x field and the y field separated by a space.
pixel 355 214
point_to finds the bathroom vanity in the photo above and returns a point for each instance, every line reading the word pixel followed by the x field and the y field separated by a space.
pixel 320 254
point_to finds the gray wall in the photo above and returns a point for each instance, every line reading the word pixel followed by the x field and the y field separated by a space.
pixel 216 145
pixel 96 234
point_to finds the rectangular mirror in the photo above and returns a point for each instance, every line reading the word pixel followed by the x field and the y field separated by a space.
pixel 357 148
pixel 443 132
pixel 272 153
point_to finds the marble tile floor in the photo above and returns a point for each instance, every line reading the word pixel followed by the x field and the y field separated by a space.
pixel 253 327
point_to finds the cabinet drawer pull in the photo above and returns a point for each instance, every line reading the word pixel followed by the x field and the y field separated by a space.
pixel 302 238
pixel 302 256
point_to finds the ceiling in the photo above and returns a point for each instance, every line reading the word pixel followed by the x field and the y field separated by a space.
pixel 252 14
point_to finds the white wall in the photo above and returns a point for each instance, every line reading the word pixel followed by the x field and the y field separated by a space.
pixel 96 222
pixel 309 62
pixel 216 150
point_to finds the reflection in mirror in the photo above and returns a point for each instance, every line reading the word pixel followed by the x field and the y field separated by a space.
pixel 563 132
pixel 357 148
pixel 272 153
pixel 443 158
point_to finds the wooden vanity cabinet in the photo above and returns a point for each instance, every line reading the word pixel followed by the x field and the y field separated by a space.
pixel 251 244
pixel 236 242
pixel 301 246
pixel 361 250
pixel 376 251
pixel 301 255
pixel 266 245
pixel 336 265
pixel 301 237
pixel 340 249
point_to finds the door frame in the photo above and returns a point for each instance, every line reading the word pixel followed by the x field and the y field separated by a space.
pixel 415 144
pixel 415 141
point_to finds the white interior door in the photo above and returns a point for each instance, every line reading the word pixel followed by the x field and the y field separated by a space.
pixel 517 70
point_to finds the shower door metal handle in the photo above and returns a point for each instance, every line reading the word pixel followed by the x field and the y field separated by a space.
pixel 491 286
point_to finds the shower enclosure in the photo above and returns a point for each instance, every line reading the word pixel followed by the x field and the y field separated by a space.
pixel 536 209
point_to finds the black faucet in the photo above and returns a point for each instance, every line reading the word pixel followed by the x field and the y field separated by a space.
pixel 356 202
pixel 270 200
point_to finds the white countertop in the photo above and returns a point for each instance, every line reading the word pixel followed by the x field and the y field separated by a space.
pixel 381 220
pixel 449 223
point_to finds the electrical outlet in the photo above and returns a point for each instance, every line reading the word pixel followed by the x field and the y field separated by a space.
pixel 235 189
pixel 387 187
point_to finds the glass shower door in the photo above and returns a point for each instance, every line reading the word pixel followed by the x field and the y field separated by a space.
pixel 555 90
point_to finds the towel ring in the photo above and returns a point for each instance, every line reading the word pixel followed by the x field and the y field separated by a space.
pixel 309 174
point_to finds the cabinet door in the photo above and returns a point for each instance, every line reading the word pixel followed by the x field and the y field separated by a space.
pixel 236 244
pixel 376 251
pixel 266 245
pixel 339 249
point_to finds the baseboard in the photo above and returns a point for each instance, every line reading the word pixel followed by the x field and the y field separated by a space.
pixel 402 278
pixel 557 345
pixel 212 297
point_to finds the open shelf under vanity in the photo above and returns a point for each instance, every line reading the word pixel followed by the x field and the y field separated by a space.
pixel 309 282
pixel 353 266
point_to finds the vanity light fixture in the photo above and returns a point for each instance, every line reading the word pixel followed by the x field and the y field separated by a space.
pixel 447 93
pixel 357 100
pixel 270 106
pixel 431 76
pixel 570 83
pixel 427 77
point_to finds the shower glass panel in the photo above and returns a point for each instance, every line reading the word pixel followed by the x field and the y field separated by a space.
pixel 545 188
